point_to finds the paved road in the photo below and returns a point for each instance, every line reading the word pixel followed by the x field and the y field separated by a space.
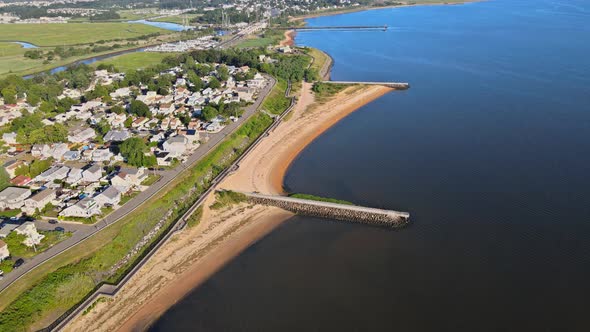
pixel 167 176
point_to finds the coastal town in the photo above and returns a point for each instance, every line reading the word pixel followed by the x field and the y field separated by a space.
pixel 108 148
pixel 136 145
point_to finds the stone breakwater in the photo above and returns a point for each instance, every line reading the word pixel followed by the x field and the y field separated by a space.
pixel 352 213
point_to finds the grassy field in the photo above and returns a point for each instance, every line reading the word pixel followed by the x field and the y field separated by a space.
pixel 73 33
pixel 256 42
pixel 137 60
pixel 276 102
pixel 320 59
pixel 45 293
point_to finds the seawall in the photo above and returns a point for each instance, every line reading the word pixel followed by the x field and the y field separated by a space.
pixel 352 213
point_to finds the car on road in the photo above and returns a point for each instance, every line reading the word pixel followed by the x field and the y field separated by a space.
pixel 52 221
pixel 59 229
pixel 18 263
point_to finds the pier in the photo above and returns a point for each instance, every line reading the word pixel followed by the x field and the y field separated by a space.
pixel 349 27
pixel 328 210
pixel 394 85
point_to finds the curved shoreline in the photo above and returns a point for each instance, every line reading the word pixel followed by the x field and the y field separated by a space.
pixel 281 167
pixel 188 260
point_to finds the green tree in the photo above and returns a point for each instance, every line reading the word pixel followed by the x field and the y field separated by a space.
pixel 197 82
pixel 9 95
pixel 209 113
pixel 134 150
pixel 103 127
pixel 128 122
pixel 223 73
pixel 48 134
pixel 39 166
pixel 138 108
pixel 214 83
pixel 4 178
pixel 117 109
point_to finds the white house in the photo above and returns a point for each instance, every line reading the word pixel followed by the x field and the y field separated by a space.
pixel 92 174
pixel 4 253
pixel 117 135
pixel 110 197
pixel 121 92
pixel 29 230
pixel 39 200
pixel 102 155
pixel 13 197
pixel 74 176
pixel 176 145
pixel 85 208
pixel 9 138
pixel 128 177
pixel 82 135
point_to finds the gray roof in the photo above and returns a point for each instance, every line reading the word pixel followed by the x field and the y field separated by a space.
pixel 117 135
pixel 111 192
pixel 6 229
pixel 12 193
pixel 42 194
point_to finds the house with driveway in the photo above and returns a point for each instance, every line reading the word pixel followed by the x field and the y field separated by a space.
pixel 29 230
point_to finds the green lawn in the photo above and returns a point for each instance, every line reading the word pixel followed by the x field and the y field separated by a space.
pixel 256 42
pixel 136 60
pixel 73 33
pixel 276 102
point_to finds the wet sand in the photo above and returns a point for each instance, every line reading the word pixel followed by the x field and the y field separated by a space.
pixel 289 38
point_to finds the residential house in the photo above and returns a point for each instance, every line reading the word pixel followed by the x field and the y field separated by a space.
pixel 4 252
pixel 121 92
pixel 9 138
pixel 100 155
pixel 176 145
pixel 85 208
pixel 140 121
pixel 92 173
pixel 82 135
pixel 11 166
pixel 20 181
pixel 117 135
pixel 191 134
pixel 39 200
pixel 110 197
pixel 29 230
pixel 128 178
pixel 166 109
pixel 71 155
pixel 74 176
pixel 13 197
pixel 53 173
pixel 163 158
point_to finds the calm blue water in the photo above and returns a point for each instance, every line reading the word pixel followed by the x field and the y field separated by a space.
pixel 162 25
pixel 26 45
pixel 489 151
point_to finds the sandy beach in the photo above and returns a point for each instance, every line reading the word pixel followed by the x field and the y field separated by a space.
pixel 263 170
pixel 192 256
pixel 289 38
